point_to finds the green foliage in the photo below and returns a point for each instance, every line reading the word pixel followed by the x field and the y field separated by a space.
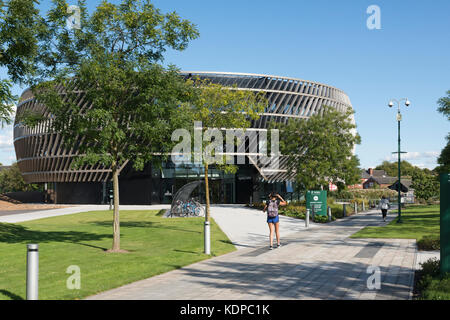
pixel 430 284
pixel 429 243
pixel 7 100
pixel 391 168
pixel 444 105
pixel 425 186
pixel 320 219
pixel 132 104
pixel 217 107
pixel 320 149
pixel 11 180
pixel 444 159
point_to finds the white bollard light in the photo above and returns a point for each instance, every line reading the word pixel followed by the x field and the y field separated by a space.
pixel 307 219
pixel 207 238
pixel 32 271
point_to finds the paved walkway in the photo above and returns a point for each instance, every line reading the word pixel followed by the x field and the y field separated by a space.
pixel 316 263
pixel 247 228
pixel 14 217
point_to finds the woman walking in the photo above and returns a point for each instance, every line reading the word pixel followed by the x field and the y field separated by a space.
pixel 384 206
pixel 273 220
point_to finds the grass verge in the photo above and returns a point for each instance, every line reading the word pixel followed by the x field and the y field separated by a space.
pixel 155 244
pixel 418 222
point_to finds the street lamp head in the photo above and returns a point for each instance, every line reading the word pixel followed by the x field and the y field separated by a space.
pixel 407 103
pixel 391 104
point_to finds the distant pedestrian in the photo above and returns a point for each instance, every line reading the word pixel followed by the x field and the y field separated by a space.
pixel 273 219
pixel 384 206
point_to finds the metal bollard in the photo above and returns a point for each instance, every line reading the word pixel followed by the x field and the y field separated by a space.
pixel 32 271
pixel 363 206
pixel 329 214
pixel 307 219
pixel 344 209
pixel 207 238
pixel 110 204
pixel 355 205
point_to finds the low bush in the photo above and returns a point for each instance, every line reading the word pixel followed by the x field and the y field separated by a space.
pixel 430 285
pixel 429 243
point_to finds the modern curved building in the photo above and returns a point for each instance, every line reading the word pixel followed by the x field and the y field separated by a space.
pixel 42 157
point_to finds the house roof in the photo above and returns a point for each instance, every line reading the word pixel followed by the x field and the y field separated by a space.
pixel 382 180
pixel 405 185
pixel 365 174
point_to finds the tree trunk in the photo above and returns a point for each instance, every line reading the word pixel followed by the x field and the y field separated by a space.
pixel 116 223
pixel 207 193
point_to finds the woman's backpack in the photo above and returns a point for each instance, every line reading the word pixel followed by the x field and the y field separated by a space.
pixel 272 208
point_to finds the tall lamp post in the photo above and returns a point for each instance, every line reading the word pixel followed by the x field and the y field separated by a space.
pixel 399 119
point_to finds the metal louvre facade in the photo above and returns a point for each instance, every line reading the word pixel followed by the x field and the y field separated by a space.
pixel 42 157
pixel 288 98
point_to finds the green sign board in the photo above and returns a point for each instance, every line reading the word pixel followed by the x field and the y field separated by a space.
pixel 318 200
pixel 445 222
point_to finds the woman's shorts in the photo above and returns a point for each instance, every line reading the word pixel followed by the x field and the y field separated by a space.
pixel 273 219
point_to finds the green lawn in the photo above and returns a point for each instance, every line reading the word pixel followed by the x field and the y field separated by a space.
pixel 155 244
pixel 418 221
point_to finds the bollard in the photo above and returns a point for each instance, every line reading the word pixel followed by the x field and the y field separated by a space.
pixel 110 204
pixel 355 205
pixel 363 206
pixel 32 271
pixel 344 209
pixel 207 238
pixel 329 214
pixel 307 219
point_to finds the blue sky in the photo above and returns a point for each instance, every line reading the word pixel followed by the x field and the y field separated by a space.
pixel 329 42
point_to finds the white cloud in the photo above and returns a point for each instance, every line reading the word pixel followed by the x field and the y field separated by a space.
pixel 424 159
pixel 6 138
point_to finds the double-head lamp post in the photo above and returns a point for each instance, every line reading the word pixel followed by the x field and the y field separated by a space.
pixel 399 119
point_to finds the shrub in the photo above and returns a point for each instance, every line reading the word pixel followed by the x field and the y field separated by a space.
pixel 430 284
pixel 429 243
pixel 320 219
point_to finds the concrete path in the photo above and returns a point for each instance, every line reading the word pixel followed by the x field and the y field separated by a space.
pixel 317 263
pixel 247 228
pixel 13 217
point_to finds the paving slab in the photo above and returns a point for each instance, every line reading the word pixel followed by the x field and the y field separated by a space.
pixel 316 263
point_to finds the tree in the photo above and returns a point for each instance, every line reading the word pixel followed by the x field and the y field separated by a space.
pixel 444 158
pixel 103 89
pixel 425 186
pixel 391 168
pixel 218 107
pixel 7 100
pixel 11 180
pixel 19 32
pixel 444 104
pixel 320 149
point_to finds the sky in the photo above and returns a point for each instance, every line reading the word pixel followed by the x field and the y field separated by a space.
pixel 329 42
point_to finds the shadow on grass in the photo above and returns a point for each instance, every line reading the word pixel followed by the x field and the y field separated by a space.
pixel 10 295
pixel 144 224
pixel 13 233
